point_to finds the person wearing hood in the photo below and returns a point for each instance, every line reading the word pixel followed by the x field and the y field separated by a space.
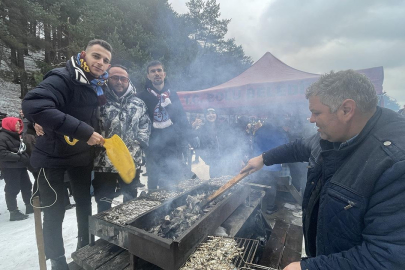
pixel 125 115
pixel 210 147
pixel 65 105
pixel 13 163
pixel 170 129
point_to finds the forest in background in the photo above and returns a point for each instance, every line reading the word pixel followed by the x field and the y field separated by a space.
pixel 192 46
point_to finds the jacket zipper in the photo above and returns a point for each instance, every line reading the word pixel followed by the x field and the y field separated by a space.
pixel 341 198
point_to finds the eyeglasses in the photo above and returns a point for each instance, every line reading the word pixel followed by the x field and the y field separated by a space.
pixel 116 78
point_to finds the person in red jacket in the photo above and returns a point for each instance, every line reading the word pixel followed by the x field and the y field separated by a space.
pixel 13 162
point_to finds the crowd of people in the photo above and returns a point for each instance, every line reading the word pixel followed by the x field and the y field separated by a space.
pixel 354 182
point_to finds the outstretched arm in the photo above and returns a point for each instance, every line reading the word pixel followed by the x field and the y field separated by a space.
pixel 297 151
pixel 253 165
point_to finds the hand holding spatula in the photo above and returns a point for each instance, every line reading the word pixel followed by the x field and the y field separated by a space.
pixel 119 156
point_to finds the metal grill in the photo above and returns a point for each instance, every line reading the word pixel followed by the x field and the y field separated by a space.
pixel 249 251
pixel 248 248
pixel 256 267
pixel 126 230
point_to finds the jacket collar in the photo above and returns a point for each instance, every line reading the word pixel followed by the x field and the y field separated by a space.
pixel 326 145
pixel 76 72
pixel 165 88
pixel 111 95
pixel 11 133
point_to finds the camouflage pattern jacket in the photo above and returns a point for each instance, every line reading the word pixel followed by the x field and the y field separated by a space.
pixel 127 117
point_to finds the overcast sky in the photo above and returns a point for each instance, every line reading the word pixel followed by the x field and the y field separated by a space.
pixel 318 36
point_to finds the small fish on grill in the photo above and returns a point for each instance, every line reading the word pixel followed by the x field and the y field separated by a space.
pixel 215 253
pixel 123 213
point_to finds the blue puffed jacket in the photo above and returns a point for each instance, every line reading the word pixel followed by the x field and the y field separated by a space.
pixel 354 202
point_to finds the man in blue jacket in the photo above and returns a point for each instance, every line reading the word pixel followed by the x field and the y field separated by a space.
pixel 354 201
pixel 64 104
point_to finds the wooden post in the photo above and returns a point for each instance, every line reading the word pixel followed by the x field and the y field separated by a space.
pixel 39 233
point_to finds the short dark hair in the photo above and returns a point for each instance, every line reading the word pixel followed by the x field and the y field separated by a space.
pixel 118 66
pixel 154 63
pixel 333 88
pixel 100 42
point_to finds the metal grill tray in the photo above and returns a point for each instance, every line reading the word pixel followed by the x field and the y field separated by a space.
pixel 248 249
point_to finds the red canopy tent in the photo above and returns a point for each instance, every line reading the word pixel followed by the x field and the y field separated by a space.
pixel 267 83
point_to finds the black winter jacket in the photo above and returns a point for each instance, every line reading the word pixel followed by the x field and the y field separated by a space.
pixel 354 202
pixel 180 130
pixel 64 103
pixel 9 146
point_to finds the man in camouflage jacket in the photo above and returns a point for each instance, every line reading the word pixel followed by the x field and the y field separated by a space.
pixel 125 115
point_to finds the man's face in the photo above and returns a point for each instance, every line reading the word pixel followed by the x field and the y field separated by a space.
pixel 156 74
pixel 118 80
pixel 98 59
pixel 330 125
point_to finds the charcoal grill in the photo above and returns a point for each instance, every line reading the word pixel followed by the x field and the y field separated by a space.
pixel 168 254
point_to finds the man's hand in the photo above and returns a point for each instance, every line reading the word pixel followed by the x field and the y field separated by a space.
pixel 39 130
pixel 95 139
pixel 293 266
pixel 253 165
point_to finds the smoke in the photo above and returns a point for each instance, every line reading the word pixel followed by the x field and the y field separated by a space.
pixel 319 36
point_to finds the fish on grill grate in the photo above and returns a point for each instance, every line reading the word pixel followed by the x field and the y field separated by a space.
pixel 192 183
pixel 124 213
pixel 220 181
pixel 189 184
pixel 215 253
pixel 163 195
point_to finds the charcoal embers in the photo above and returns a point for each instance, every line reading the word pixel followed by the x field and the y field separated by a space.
pixel 180 218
